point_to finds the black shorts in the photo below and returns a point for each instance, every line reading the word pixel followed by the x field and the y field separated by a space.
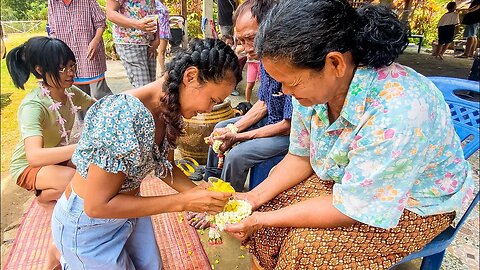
pixel 446 34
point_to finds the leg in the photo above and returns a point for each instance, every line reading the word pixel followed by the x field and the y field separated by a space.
pixel 152 68
pixel 248 91
pixel 135 60
pixel 249 153
pixel 473 47
pixel 52 181
pixel 142 247
pixel 444 48
pixel 100 89
pixel 162 48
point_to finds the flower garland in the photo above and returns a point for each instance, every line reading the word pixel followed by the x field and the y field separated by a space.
pixel 56 108
pixel 217 143
pixel 233 212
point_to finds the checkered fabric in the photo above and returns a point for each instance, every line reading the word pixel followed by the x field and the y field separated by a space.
pixel 141 69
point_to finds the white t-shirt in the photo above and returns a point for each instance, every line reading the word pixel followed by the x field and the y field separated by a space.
pixel 449 19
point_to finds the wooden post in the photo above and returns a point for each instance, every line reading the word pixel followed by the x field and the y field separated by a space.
pixel 184 9
pixel 207 15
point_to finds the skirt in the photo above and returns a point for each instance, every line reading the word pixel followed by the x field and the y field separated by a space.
pixel 359 246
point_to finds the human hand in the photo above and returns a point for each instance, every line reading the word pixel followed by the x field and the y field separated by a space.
pixel 201 200
pixel 147 24
pixel 152 48
pixel 228 140
pixel 246 227
pixel 216 132
pixel 249 197
pixel 92 49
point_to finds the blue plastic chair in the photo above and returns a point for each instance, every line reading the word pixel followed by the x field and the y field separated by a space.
pixel 260 171
pixel 465 116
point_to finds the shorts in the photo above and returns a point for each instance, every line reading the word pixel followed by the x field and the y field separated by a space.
pixel 446 34
pixel 471 30
pixel 28 177
pixel 253 72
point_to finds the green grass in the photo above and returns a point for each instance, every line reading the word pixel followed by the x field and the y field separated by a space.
pixel 10 100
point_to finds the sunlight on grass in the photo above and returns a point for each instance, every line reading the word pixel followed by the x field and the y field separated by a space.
pixel 9 130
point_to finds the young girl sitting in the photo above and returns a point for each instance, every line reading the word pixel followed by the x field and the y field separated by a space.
pixel 40 162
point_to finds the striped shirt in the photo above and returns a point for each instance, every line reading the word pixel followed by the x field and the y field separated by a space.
pixel 76 25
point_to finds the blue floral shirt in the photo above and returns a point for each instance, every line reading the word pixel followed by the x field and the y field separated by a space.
pixel 119 136
pixel 393 147
pixel 279 106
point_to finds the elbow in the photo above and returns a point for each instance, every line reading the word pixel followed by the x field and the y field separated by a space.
pixel 34 161
pixel 109 14
pixel 94 210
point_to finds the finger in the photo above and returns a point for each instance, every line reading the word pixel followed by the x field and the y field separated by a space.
pixel 221 195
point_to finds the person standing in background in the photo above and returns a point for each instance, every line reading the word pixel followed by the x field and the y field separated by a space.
pixel 163 33
pixel 446 30
pixel 471 21
pixel 225 13
pixel 80 24
pixel 135 37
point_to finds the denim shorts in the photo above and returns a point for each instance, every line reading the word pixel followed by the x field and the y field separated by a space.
pixel 94 243
pixel 471 30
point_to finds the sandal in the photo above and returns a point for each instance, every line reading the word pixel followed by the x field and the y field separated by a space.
pixel 191 168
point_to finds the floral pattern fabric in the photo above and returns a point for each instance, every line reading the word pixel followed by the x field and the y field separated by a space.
pixel 119 136
pixel 135 9
pixel 393 147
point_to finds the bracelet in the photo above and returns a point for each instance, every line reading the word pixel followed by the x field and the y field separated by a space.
pixel 232 128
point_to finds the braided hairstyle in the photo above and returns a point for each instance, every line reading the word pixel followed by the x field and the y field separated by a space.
pixel 215 61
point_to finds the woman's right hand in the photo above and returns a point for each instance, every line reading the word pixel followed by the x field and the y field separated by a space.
pixel 217 132
pixel 147 24
pixel 199 199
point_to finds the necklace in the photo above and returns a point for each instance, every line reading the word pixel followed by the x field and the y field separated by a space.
pixel 56 108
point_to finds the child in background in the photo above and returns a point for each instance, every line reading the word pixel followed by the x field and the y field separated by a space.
pixel 446 30
pixel 253 74
pixel 163 33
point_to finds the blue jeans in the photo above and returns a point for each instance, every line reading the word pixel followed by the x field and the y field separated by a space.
pixel 93 243
pixel 245 155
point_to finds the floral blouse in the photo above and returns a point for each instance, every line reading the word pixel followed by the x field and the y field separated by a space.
pixel 393 147
pixel 119 136
pixel 136 9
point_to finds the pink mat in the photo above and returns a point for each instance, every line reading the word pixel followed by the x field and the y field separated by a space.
pixel 178 242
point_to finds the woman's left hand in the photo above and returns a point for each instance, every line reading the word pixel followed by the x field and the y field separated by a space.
pixel 152 48
pixel 246 227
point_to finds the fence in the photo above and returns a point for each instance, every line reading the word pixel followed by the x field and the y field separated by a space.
pixel 10 27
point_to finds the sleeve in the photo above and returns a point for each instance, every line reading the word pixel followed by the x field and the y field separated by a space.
pixel 384 161
pixel 264 83
pixel 299 133
pixel 287 107
pixel 112 137
pixel 98 16
pixel 81 98
pixel 51 19
pixel 31 116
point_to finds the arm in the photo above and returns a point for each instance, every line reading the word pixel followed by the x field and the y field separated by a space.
pixel 51 20
pixel 255 114
pixel 37 156
pixel 144 24
pixel 93 45
pixel 280 128
pixel 103 200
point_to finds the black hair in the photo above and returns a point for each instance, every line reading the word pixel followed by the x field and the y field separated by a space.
pixel 47 53
pixel 258 8
pixel 215 61
pixel 451 6
pixel 305 31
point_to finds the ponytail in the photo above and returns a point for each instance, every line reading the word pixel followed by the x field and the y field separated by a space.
pixel 18 69
pixel 380 36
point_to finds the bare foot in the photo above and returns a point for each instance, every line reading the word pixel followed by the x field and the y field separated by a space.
pixel 197 220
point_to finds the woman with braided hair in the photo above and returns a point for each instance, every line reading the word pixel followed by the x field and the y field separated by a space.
pixel 101 221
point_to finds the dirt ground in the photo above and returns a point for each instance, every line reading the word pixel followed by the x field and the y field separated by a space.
pixel 14 201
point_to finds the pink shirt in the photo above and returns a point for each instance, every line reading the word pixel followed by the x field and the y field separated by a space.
pixel 76 25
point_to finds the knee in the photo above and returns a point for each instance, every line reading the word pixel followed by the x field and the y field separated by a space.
pixel 235 157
